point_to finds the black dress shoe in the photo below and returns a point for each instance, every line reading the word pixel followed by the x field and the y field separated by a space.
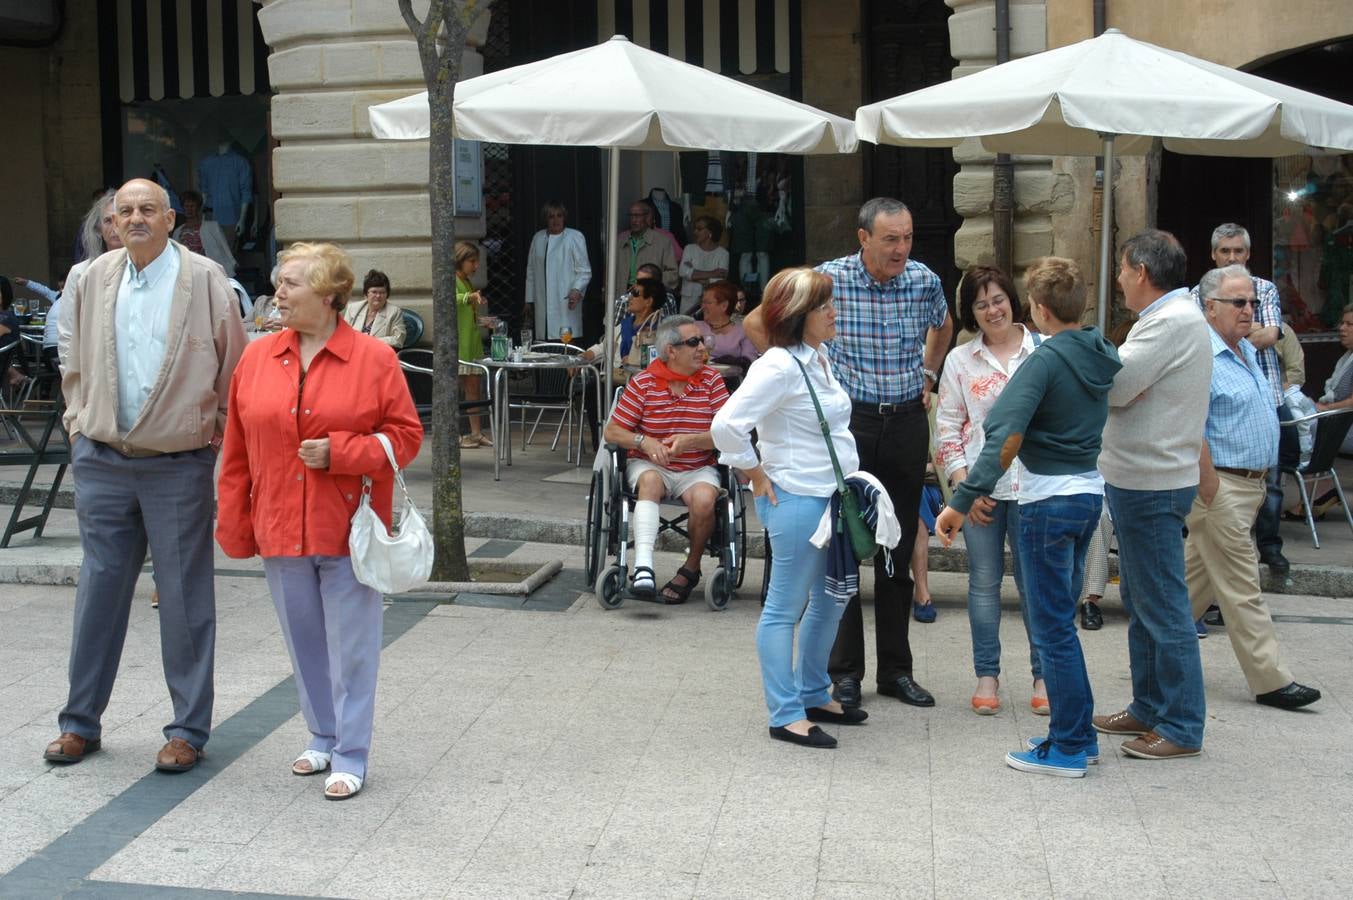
pixel 1294 696
pixel 1274 559
pixel 1091 618
pixel 848 715
pixel 847 693
pixel 815 737
pixel 906 690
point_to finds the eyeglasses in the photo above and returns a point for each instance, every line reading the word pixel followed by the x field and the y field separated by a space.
pixel 693 342
pixel 1238 304
pixel 824 306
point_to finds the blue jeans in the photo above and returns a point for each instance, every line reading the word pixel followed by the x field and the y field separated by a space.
pixel 797 579
pixel 1167 671
pixel 1053 537
pixel 986 568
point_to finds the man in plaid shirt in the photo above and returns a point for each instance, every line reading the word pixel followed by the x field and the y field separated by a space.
pixel 1231 247
pixel 892 331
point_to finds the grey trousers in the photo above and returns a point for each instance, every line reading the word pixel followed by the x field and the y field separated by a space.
pixel 123 505
pixel 332 625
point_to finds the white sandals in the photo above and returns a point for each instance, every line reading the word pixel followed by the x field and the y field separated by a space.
pixel 316 760
pixel 346 779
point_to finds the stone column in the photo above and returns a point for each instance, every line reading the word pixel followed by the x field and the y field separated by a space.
pixel 330 61
pixel 1042 191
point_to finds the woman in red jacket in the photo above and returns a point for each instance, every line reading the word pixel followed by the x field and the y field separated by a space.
pixel 305 404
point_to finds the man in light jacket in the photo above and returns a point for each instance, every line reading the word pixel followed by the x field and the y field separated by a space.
pixel 155 335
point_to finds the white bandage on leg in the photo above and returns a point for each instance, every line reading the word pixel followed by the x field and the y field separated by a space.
pixel 645 532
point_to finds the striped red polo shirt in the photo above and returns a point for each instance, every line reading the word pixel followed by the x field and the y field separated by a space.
pixel 648 407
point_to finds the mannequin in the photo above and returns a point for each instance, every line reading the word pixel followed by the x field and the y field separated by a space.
pixel 227 181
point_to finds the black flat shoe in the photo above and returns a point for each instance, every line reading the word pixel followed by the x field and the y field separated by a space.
pixel 848 715
pixel 904 688
pixel 1091 617
pixel 815 737
pixel 1294 696
pixel 847 693
pixel 1275 560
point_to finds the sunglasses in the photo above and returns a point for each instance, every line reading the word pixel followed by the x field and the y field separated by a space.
pixel 693 342
pixel 1238 304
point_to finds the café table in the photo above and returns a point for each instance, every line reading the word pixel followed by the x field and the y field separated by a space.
pixel 500 411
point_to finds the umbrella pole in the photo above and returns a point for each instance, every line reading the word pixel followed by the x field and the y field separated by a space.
pixel 1105 237
pixel 612 235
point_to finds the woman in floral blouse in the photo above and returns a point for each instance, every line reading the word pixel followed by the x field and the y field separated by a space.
pixel 975 373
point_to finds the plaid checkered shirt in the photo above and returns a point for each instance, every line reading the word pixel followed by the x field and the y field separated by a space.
pixel 1242 426
pixel 879 348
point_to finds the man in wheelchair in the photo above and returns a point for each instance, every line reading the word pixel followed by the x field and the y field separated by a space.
pixel 662 418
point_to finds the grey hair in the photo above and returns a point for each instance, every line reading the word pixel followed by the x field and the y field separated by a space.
pixel 669 333
pixel 1212 280
pixel 1160 254
pixel 91 227
pixel 879 206
pixel 1229 230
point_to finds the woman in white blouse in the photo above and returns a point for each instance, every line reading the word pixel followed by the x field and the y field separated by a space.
pixel 974 375
pixel 793 484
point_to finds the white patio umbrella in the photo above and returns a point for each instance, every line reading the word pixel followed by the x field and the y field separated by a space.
pixel 617 95
pixel 1112 94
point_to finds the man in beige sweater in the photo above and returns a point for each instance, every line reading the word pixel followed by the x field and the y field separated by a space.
pixel 1152 443
pixel 155 335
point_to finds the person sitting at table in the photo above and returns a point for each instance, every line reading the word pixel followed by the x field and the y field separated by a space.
pixel 375 314
pixel 662 420
pixel 469 304
pixel 637 329
pixel 9 332
pixel 702 263
pixel 725 338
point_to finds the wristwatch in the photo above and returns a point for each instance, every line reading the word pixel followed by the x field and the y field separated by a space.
pixel 638 440
pixel 930 373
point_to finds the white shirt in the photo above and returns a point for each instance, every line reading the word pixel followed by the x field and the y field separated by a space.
pixel 143 302
pixel 1037 487
pixel 774 400
pixel 692 259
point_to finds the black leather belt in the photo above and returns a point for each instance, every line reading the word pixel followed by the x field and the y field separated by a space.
pixel 1252 474
pixel 887 409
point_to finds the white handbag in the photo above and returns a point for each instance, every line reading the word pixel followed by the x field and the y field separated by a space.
pixel 389 563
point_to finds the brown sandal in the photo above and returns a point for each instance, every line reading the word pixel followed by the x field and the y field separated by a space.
pixel 682 591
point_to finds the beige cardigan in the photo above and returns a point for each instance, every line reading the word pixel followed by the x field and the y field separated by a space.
pixel 388 326
pixel 186 409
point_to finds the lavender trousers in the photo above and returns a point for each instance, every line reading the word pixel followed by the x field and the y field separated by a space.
pixel 332 626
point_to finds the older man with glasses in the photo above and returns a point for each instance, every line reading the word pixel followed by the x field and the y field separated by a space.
pixel 1240 447
pixel 663 419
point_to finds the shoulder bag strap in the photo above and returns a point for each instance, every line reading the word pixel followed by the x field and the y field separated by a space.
pixel 826 429
pixel 399 476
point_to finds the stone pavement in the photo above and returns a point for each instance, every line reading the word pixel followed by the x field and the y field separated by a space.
pixel 583 753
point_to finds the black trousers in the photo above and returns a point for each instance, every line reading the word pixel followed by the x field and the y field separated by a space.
pixel 893 448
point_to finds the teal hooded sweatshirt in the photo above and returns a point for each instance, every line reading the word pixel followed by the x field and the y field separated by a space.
pixel 1050 415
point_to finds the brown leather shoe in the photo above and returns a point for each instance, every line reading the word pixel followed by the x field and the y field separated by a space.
pixel 1153 746
pixel 1118 723
pixel 177 756
pixel 70 748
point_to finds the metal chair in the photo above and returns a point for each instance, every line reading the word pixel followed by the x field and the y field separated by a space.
pixel 558 390
pixel 417 365
pixel 1331 428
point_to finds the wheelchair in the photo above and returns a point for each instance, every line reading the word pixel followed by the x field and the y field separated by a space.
pixel 609 505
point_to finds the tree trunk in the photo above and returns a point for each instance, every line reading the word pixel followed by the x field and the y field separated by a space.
pixel 441 44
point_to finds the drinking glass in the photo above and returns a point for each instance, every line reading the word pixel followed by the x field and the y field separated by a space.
pixel 566 335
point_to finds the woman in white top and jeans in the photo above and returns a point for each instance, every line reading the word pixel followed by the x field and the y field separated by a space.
pixel 975 373
pixel 793 484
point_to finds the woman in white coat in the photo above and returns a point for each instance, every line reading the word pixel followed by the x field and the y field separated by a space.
pixel 557 275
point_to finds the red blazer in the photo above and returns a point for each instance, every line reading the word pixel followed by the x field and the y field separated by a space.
pixel 268 502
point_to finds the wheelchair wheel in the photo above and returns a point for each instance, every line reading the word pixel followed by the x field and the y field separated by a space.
pixel 608 588
pixel 594 540
pixel 718 591
pixel 741 538
pixel 765 571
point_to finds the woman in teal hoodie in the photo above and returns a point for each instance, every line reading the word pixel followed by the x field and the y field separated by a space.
pixel 1050 416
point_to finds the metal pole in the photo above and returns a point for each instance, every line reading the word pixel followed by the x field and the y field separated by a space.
pixel 612 235
pixel 1105 237
pixel 1003 170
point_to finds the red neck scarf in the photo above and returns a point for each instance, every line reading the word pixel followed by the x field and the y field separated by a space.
pixel 664 373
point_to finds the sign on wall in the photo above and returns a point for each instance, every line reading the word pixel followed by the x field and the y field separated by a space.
pixel 468 176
